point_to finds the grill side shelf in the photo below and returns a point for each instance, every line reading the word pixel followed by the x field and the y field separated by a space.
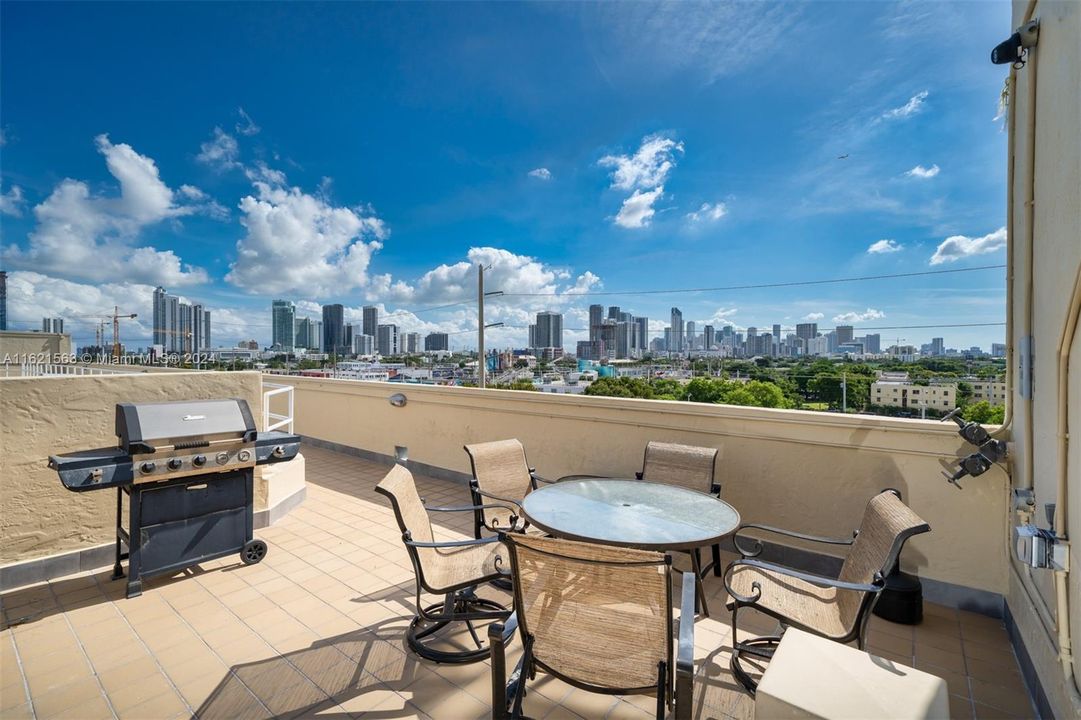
pixel 273 446
pixel 93 469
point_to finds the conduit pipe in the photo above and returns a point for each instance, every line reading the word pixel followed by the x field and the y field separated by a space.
pixel 1065 346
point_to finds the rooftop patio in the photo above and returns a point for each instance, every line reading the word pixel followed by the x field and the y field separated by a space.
pixel 317 629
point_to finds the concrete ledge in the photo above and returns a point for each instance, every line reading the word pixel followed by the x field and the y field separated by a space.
pixel 1028 671
pixel 266 518
pixel 431 471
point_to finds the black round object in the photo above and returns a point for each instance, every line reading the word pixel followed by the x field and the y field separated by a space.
pixel 175 463
pixel 253 552
pixel 902 599
pixel 198 460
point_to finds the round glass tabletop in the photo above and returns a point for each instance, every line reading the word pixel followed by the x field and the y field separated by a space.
pixel 630 513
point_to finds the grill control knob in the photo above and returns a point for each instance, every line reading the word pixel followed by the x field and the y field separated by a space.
pixel 146 468
pixel 221 458
pixel 175 463
pixel 198 460
pixel 243 456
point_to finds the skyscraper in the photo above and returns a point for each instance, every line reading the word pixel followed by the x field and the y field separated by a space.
pixel 198 328
pixel 386 340
pixel 641 334
pixel 283 320
pixel 436 341
pixel 707 339
pixel 317 336
pixel 369 320
pixel 691 337
pixel 412 343
pixel 807 331
pixel 160 332
pixel 676 344
pixel 175 324
pixel 52 325
pixel 938 346
pixel 334 329
pixel 751 345
pixel 183 343
pixel 596 318
pixel 302 334
pixel 549 332
pixel 613 312
pixel 872 343
pixel 844 334
pixel 777 334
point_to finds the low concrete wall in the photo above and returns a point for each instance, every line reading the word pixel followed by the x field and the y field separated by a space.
pixel 42 416
pixel 800 470
pixel 19 347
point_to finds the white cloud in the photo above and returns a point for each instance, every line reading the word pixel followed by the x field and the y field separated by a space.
pixel 90 237
pixel 637 210
pixel 722 316
pixel 246 126
pixel 648 167
pixel 813 317
pixel 297 242
pixel 858 317
pixel 913 106
pixel 882 247
pixel 541 173
pixel 923 173
pixel 708 212
pixel 11 202
pixel 220 152
pixel 956 247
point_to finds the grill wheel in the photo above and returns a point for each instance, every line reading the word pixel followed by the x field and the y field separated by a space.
pixel 253 552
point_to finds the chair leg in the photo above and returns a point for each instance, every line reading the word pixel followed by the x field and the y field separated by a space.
pixel 460 606
pixel 700 591
pixel 717 561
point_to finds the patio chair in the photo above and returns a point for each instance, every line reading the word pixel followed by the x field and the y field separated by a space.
pixel 597 617
pixel 693 468
pixel 835 608
pixel 501 473
pixel 452 569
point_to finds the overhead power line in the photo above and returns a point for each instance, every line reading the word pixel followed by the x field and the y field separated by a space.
pixel 757 286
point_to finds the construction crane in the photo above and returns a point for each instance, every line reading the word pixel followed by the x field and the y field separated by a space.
pixel 99 332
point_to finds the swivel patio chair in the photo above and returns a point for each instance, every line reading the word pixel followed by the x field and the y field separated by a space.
pixel 597 617
pixel 501 473
pixel 693 468
pixel 835 608
pixel 452 569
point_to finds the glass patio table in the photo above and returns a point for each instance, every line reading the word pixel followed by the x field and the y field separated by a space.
pixel 630 513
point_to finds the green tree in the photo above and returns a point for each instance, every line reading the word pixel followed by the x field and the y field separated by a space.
pixel 620 387
pixel 984 412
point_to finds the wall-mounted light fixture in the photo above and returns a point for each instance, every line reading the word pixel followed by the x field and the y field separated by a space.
pixel 397 400
pixel 401 454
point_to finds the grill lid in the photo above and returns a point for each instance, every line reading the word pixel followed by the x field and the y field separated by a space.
pixel 143 426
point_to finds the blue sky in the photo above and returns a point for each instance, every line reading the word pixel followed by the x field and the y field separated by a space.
pixel 369 153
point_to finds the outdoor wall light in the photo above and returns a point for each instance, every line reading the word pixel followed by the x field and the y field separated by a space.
pixel 397 400
pixel 401 454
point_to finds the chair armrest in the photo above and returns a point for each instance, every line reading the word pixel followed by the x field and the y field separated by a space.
pixel 757 549
pixel 874 586
pixel 452 543
pixel 684 690
pixel 516 503
pixel 467 508
pixel 534 479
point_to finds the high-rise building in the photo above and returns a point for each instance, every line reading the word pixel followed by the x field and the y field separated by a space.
pixel 347 339
pixel 777 334
pixel 3 300
pixel 590 350
pixel 317 336
pixel 302 333
pixel 386 339
pixel 807 331
pixel 677 340
pixel 436 342
pixel 185 335
pixel 938 346
pixel 708 338
pixel 751 343
pixel 641 334
pixel 613 312
pixel 334 329
pixel 691 339
pixel 363 344
pixel 532 336
pixel 844 334
pixel 596 317
pixel 872 343
pixel 549 330
pixel 998 350
pixel 369 320
pixel 624 333
pixel 52 325
pixel 412 343
pixel 198 329
pixel 160 334
pixel 283 319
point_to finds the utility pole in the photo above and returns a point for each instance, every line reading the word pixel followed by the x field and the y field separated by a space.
pixel 482 361
pixel 844 393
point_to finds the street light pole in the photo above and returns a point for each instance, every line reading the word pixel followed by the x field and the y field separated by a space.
pixel 482 363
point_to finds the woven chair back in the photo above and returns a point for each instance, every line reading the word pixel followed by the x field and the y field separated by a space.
pixel 684 465
pixel 598 614
pixel 887 523
pixel 500 468
pixel 409 509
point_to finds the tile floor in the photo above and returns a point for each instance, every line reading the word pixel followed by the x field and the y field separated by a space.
pixel 316 630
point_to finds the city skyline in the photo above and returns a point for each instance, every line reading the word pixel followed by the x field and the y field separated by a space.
pixel 621 170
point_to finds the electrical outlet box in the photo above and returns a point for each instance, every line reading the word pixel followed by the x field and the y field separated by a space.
pixel 1039 548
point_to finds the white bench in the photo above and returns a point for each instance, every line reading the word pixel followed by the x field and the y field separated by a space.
pixel 811 677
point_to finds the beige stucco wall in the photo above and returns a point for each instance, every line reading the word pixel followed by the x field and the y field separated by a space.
pixel 41 416
pixel 1055 118
pixel 802 470
pixel 20 347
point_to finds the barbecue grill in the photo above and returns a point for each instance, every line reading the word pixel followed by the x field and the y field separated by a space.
pixel 188 471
